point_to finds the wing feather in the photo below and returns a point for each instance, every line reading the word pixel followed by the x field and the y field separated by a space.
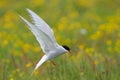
pixel 42 25
pixel 43 39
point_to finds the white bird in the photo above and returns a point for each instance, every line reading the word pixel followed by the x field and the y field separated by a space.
pixel 45 36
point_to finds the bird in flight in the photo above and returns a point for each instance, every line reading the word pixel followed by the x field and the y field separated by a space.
pixel 45 36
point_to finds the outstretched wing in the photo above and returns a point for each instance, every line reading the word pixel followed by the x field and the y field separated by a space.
pixel 46 42
pixel 42 25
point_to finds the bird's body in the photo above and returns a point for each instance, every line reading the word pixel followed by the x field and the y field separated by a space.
pixel 45 36
pixel 52 54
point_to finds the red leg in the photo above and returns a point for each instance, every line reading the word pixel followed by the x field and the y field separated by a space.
pixel 53 63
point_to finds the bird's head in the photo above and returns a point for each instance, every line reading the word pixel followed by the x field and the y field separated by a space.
pixel 66 48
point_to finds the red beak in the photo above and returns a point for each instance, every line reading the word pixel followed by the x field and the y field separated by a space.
pixel 69 52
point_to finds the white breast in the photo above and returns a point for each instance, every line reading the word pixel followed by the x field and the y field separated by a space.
pixel 56 52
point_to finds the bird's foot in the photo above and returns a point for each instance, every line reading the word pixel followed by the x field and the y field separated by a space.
pixel 54 64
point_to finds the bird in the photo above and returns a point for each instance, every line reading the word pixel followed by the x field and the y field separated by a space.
pixel 45 37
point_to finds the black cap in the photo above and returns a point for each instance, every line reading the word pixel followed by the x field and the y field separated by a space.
pixel 66 47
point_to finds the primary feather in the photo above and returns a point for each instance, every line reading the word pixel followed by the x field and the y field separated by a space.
pixel 42 32
pixel 43 26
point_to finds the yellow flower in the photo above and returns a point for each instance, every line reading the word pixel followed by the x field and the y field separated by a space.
pixel 36 73
pixel 108 42
pixel 119 34
pixel 12 78
pixel 37 2
pixel 82 47
pixel 73 15
pixel 17 53
pixel 36 48
pixel 97 35
pixel 5 42
pixel 89 51
pixel 109 28
pixel 96 62
pixel 85 3
pixel 3 3
pixel 62 24
pixel 16 71
pixel 26 47
pixel 28 64
pixel 117 46
pixel 9 19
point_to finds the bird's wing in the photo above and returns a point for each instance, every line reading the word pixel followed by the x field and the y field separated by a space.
pixel 42 25
pixel 42 37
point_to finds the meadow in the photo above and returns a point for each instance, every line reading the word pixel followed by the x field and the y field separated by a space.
pixel 90 28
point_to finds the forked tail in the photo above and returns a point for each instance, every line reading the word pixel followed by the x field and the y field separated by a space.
pixel 44 58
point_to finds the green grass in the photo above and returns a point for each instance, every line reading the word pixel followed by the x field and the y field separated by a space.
pixel 95 53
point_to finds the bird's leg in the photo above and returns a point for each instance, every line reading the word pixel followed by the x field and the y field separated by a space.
pixel 51 68
pixel 54 64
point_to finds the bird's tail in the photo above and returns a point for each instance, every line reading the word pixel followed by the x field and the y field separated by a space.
pixel 44 58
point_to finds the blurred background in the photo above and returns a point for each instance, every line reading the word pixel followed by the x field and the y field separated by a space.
pixel 91 29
